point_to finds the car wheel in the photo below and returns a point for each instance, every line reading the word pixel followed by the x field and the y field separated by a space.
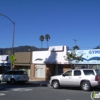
pixel 85 86
pixel 12 81
pixel 55 84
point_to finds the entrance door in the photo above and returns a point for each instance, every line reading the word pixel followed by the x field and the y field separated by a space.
pixel 59 69
pixel 39 71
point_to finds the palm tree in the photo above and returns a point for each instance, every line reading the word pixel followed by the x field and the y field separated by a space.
pixel 41 38
pixel 47 37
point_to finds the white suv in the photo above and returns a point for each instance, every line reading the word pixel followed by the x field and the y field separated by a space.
pixel 13 76
pixel 84 78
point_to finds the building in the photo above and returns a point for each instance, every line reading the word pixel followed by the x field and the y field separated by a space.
pixel 90 58
pixel 4 63
pixel 23 61
pixel 48 63
pixel 41 65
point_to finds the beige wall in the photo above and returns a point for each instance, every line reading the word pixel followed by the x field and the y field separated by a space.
pixel 23 57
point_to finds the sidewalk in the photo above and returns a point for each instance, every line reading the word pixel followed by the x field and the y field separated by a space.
pixel 39 82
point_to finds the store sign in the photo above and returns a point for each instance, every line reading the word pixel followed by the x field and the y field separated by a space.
pixel 56 48
pixel 94 52
pixel 3 58
pixel 12 58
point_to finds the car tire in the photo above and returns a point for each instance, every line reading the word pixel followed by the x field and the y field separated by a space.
pixel 85 86
pixel 55 84
pixel 12 81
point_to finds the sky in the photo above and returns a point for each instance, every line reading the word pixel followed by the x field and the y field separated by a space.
pixel 63 20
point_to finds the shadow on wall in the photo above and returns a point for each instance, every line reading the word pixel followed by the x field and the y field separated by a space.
pixel 51 62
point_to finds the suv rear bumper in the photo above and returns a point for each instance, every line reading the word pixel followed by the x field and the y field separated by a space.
pixel 95 83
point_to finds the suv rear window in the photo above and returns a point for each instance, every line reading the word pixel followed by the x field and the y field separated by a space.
pixel 97 72
pixel 88 72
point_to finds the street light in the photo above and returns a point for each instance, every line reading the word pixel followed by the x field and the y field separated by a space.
pixel 75 41
pixel 13 32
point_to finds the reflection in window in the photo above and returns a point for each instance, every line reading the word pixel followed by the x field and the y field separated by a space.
pixel 77 73
pixel 68 73
pixel 88 72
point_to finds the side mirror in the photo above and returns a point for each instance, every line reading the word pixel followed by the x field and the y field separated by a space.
pixel 63 75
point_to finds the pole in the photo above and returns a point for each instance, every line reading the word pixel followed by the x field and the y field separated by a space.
pixel 75 41
pixel 13 32
pixel 13 35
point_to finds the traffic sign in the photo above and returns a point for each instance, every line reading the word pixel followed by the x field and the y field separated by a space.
pixel 12 58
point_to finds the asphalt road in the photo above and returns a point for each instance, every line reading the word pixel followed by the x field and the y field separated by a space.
pixel 31 91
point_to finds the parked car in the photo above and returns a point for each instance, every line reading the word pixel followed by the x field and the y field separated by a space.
pixel 0 77
pixel 13 76
pixel 84 78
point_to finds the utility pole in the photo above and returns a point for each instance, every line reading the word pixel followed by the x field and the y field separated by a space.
pixel 12 57
pixel 75 41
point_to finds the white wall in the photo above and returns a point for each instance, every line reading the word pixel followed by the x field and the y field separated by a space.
pixel 55 55
pixel 3 59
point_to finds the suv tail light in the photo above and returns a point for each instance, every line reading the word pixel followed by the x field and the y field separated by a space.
pixel 96 78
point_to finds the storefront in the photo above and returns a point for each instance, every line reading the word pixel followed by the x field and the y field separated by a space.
pixel 4 63
pixel 23 61
pixel 48 63
pixel 90 58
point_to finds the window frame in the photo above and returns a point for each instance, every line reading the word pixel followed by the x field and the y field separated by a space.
pixel 65 74
pixel 77 75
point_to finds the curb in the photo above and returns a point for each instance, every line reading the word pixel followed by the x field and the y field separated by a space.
pixel 40 83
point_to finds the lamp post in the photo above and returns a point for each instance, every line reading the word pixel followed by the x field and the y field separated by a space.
pixel 13 32
pixel 75 41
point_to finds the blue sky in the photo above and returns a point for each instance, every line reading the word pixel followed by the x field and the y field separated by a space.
pixel 63 20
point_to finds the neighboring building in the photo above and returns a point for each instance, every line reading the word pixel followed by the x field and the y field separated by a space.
pixel 4 63
pixel 48 63
pixel 90 58
pixel 23 61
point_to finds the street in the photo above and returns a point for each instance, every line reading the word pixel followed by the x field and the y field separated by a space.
pixel 31 91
